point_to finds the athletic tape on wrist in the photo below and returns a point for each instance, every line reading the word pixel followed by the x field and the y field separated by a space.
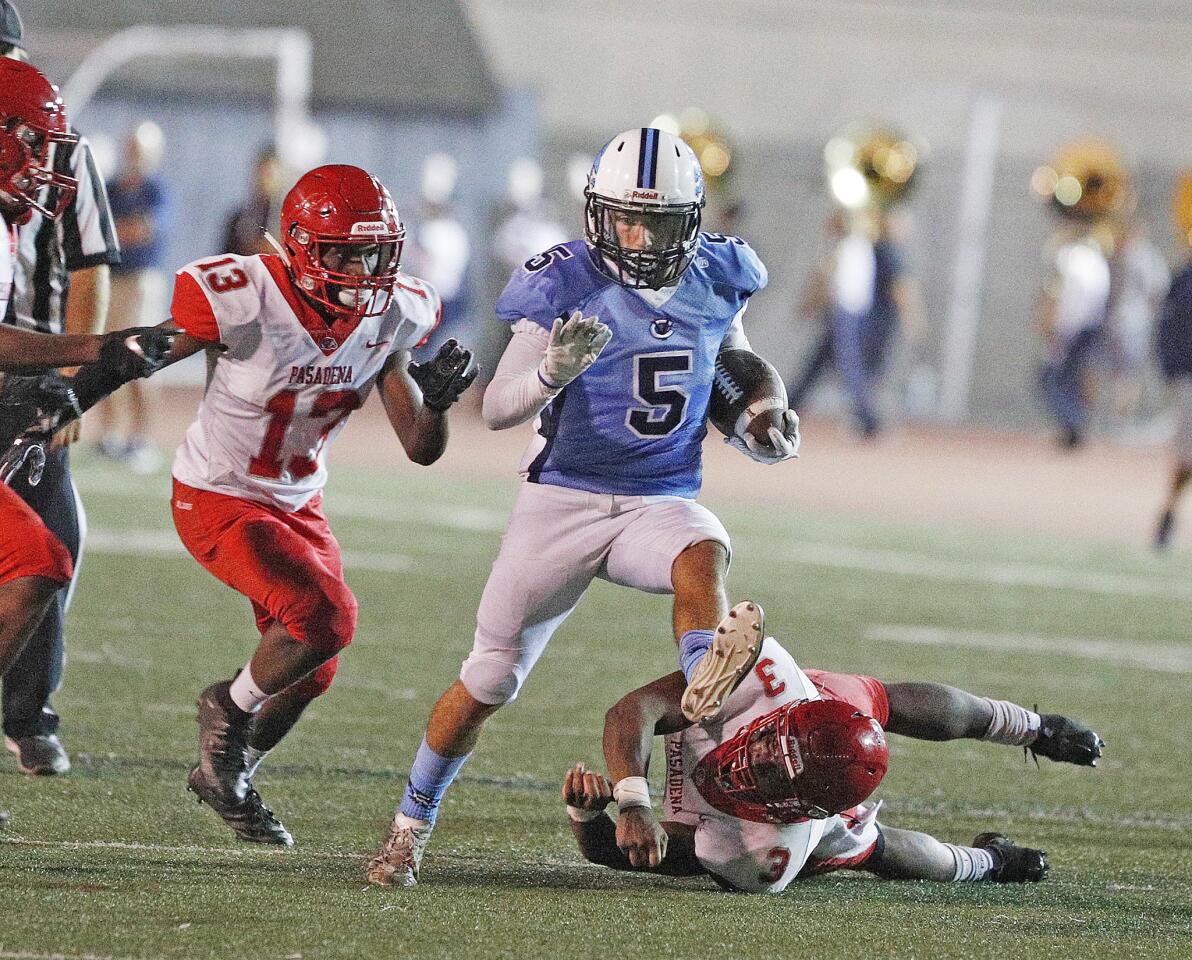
pixel 582 816
pixel 755 408
pixel 632 792
pixel 546 383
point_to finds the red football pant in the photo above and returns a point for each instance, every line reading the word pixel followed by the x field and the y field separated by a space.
pixel 27 548
pixel 287 564
pixel 867 694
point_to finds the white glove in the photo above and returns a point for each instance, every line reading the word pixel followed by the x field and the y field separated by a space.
pixel 575 343
pixel 784 443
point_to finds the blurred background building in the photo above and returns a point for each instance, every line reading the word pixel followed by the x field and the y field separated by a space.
pixel 994 88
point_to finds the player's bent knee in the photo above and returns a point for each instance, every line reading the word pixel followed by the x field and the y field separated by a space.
pixel 702 562
pixel 491 680
pixel 324 621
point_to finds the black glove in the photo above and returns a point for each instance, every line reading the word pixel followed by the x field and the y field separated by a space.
pixel 124 355
pixel 444 378
pixel 38 404
pixel 137 352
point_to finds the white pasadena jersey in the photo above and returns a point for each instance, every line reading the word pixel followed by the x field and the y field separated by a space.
pixel 284 385
pixel 751 856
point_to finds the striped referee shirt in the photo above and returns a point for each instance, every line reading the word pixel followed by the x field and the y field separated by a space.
pixel 84 236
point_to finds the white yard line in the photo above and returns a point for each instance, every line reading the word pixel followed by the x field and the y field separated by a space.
pixel 928 567
pixel 1125 652
pixel 29 955
pixel 139 543
pixel 357 507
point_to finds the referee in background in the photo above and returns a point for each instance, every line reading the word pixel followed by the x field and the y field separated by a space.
pixel 61 286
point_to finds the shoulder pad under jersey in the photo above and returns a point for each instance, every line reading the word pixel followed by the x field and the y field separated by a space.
pixel 550 285
pixel 734 262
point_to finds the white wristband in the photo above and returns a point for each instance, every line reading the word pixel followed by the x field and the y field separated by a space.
pixel 758 406
pixel 583 816
pixel 632 792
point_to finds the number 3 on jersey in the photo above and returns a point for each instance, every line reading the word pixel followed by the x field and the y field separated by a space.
pixel 666 402
pixel 280 407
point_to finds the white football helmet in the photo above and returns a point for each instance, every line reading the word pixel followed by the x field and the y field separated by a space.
pixel 644 199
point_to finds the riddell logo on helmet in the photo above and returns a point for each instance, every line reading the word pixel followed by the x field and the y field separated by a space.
pixel 645 195
pixel 369 228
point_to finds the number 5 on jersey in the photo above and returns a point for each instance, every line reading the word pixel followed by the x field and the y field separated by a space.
pixel 666 403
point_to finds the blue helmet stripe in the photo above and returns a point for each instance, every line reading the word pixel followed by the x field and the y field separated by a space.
pixel 647 158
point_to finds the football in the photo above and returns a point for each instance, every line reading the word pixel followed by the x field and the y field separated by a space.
pixel 742 380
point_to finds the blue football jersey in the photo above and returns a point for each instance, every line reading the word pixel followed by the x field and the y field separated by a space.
pixel 634 422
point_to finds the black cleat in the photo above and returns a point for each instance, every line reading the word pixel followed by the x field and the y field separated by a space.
pixel 220 779
pixel 1066 741
pixel 41 755
pixel 1163 531
pixel 254 821
pixel 1012 863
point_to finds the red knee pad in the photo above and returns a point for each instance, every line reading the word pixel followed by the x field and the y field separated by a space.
pixel 317 683
pixel 323 620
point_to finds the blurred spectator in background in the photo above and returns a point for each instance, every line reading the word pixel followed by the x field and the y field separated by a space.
pixel 1138 280
pixel 245 232
pixel 860 292
pixel 524 224
pixel 1173 342
pixel 1088 187
pixel 61 285
pixel 440 252
pixel 140 203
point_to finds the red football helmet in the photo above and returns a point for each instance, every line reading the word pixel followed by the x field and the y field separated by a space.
pixel 809 759
pixel 336 217
pixel 32 116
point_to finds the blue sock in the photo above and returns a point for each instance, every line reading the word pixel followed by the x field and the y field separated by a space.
pixel 692 647
pixel 430 777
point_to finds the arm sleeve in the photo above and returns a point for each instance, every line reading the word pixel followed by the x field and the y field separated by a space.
pixel 191 310
pixel 516 392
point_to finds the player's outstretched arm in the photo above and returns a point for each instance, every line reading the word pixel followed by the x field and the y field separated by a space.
pixel 44 403
pixel 22 351
pixel 131 354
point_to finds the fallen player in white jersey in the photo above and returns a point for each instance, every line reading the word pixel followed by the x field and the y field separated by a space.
pixel 772 787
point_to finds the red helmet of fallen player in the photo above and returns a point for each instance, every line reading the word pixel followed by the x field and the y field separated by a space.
pixel 344 240
pixel 32 116
pixel 810 759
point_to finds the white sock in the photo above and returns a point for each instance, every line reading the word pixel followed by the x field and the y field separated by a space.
pixel 245 693
pixel 1012 725
pixel 972 864
pixel 401 820
pixel 253 756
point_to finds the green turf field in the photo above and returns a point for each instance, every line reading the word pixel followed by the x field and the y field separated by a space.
pixel 116 861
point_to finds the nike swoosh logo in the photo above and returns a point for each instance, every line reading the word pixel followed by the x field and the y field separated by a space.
pixel 375 343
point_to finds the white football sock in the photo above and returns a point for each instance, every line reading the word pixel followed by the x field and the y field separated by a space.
pixel 1012 725
pixel 245 693
pixel 972 864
